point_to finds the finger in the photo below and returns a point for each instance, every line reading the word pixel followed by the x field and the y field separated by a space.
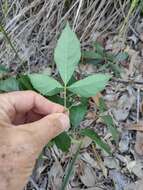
pixel 48 127
pixel 27 118
pixel 33 116
pixel 25 101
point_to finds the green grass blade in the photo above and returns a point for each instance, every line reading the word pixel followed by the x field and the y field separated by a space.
pixel 70 169
pixel 9 41
pixel 5 8
pixel 134 3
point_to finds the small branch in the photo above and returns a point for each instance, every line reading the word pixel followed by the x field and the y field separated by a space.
pixel 34 184
pixel 138 104
pixel 99 161
pixel 131 82
pixel 135 127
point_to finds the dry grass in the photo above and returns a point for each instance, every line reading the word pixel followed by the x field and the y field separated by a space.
pixel 34 25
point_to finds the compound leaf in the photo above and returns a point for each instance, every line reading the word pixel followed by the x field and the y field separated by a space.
pixel 90 86
pixel 45 84
pixel 67 53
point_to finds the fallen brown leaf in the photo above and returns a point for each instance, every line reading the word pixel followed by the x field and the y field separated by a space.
pixel 97 98
pixel 135 127
pixel 139 143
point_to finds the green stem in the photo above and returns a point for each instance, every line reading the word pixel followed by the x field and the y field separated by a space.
pixel 9 41
pixel 65 96
pixel 133 5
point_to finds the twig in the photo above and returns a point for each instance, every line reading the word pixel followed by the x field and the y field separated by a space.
pixel 130 81
pixel 77 14
pixel 34 184
pixel 99 161
pixel 140 128
pixel 138 104
pixel 136 127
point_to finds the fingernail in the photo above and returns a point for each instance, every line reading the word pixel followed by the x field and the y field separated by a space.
pixel 64 119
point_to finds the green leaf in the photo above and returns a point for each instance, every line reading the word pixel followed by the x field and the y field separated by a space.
pixel 45 84
pixel 84 101
pixel 8 85
pixel 63 142
pixel 115 68
pixel 96 139
pixel 67 53
pixel 57 99
pixel 99 48
pixel 92 55
pixel 90 86
pixel 72 80
pixel 24 82
pixel 110 57
pixel 5 7
pixel 107 119
pixel 122 56
pixel 77 114
pixel 94 61
pixel 141 6
pixel 3 69
pixel 70 169
pixel 102 106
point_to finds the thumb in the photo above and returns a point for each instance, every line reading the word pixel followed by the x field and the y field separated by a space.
pixel 48 127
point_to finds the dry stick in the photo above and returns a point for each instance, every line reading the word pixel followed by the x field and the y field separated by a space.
pixel 77 14
pixel 101 16
pixel 138 104
pixel 110 22
pixel 34 184
pixel 62 19
pixel 2 29
pixel 135 127
pixel 87 13
pixel 130 12
pixel 118 12
pixel 10 24
pixel 132 82
pixel 99 161
pixel 121 8
pixel 92 19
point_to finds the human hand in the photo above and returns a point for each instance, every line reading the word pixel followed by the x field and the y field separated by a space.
pixel 28 121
